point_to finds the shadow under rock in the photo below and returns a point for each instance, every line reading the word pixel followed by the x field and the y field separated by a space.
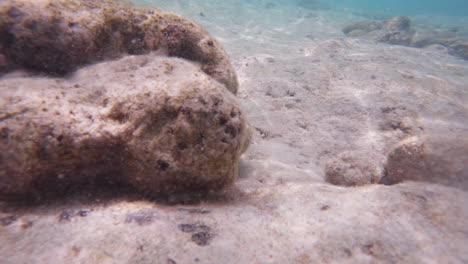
pixel 81 201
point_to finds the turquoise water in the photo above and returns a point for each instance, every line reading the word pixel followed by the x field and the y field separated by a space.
pixel 407 7
pixel 397 7
pixel 388 7
pixel 449 8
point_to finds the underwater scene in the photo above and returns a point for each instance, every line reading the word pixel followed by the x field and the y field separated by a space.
pixel 235 131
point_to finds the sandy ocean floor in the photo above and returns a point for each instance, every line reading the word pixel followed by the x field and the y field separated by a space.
pixel 311 94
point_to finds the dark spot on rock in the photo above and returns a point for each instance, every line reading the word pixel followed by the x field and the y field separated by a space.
pixel 105 102
pixel 171 261
pixel 194 210
pixel 371 249
pixel 186 111
pixel 387 109
pixel 14 12
pixel 373 77
pixel 201 234
pixel 348 252
pixel 399 126
pixel 222 120
pixel 83 213
pixel 27 224
pixel 71 24
pixel 162 165
pixel 60 138
pixel 75 251
pixel 202 238
pixel 217 101
pixel 202 100
pixel 182 145
pixel 174 38
pixel 325 207
pixel 66 215
pixel 210 43
pixel 9 39
pixel 200 138
pixel 4 133
pixel 142 217
pixel 187 228
pixel 232 131
pixel 140 248
pixel 8 220
pixel 385 180
pixel 263 133
pixel 117 113
pixel 31 24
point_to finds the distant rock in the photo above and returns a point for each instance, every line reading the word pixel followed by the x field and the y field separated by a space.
pixel 56 37
pixel 398 31
pixel 355 168
pixel 441 160
pixel 459 47
pixel 363 27
pixel 395 31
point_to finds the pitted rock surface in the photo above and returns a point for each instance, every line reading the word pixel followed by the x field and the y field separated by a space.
pixel 57 36
pixel 160 124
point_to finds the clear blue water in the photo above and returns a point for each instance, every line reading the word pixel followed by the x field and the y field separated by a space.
pixel 407 7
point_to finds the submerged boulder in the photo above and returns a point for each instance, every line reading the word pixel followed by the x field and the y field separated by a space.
pixel 355 168
pixel 57 36
pixel 163 120
pixel 395 31
pixel 159 124
pixel 437 159
pixel 398 31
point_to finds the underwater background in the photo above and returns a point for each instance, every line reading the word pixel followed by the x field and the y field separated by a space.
pixel 351 116
pixel 450 14
pixel 383 7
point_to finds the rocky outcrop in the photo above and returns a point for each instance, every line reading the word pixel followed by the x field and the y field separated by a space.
pixel 435 159
pixel 159 124
pixel 432 159
pixel 355 168
pixel 57 36
pixel 398 31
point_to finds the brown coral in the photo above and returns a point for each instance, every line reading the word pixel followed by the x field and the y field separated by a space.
pixel 57 36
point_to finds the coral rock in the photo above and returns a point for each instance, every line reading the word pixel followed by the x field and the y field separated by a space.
pixel 355 168
pixel 433 159
pixel 398 31
pixel 159 124
pixel 57 36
